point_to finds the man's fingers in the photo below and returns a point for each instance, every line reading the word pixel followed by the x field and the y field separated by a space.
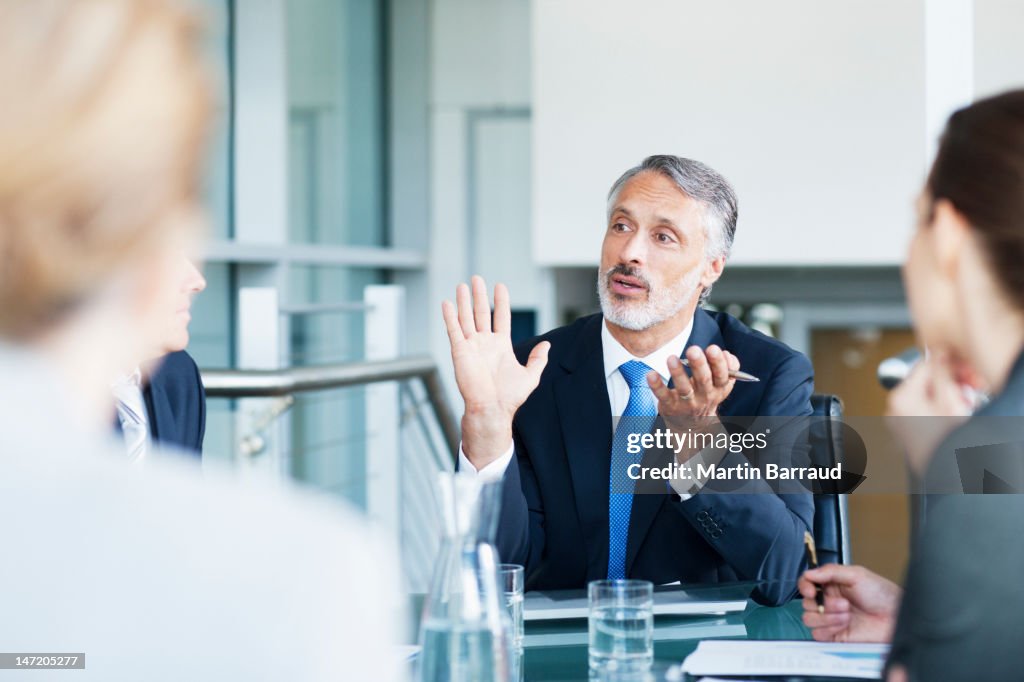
pixel 502 310
pixel 661 392
pixel 481 304
pixel 451 323
pixel 719 366
pixel 732 361
pixel 680 381
pixel 699 369
pixel 538 359
pixel 465 304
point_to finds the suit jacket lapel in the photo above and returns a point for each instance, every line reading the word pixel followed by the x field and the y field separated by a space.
pixel 705 332
pixel 158 406
pixel 585 416
pixel 646 506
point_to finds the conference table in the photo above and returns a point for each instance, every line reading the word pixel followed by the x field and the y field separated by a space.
pixel 557 650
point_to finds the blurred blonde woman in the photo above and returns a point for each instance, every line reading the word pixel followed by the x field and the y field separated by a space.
pixel 152 573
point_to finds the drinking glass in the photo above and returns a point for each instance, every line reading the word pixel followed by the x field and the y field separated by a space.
pixel 510 581
pixel 621 625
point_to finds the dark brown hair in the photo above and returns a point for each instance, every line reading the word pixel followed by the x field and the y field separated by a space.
pixel 979 168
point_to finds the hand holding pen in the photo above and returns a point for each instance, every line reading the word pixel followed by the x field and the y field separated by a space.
pixel 733 373
pixel 713 373
pixel 812 563
pixel 859 606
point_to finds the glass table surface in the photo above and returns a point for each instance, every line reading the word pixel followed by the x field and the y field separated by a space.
pixel 556 650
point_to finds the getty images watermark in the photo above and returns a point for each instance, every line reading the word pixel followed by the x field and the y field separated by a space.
pixel 702 443
pixel 821 455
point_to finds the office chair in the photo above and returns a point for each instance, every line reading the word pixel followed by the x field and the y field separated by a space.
pixel 831 528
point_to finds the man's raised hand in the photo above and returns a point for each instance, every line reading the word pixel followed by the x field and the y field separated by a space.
pixel 492 382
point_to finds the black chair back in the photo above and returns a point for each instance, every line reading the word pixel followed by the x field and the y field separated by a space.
pixel 831 531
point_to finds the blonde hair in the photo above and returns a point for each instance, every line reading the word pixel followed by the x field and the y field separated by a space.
pixel 106 107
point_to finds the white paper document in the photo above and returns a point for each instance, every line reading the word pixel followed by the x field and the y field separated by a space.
pixel 755 658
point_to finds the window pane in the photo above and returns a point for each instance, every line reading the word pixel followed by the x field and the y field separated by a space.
pixel 210 343
pixel 217 183
pixel 328 336
pixel 328 428
pixel 335 122
pixel 210 329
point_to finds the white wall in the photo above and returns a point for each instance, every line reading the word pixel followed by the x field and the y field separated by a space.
pixel 998 45
pixel 814 110
pixel 824 115
pixel 501 207
pixel 480 52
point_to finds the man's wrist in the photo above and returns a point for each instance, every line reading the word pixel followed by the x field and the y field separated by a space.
pixel 700 425
pixel 493 471
pixel 485 437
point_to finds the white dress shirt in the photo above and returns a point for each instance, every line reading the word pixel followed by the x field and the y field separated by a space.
pixel 615 354
pixel 132 413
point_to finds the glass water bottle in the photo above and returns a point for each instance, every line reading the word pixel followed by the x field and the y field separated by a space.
pixel 464 632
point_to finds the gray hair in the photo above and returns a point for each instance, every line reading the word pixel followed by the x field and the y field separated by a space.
pixel 701 183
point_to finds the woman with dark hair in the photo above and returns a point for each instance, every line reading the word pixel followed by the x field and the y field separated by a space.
pixel 963 605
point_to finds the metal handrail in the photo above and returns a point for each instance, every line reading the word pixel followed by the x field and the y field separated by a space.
pixel 265 383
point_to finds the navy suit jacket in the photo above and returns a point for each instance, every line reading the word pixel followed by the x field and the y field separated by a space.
pixel 176 403
pixel 554 516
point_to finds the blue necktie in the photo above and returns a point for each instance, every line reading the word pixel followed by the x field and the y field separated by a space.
pixel 638 417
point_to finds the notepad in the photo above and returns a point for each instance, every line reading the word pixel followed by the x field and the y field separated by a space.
pixel 754 658
pixel 699 601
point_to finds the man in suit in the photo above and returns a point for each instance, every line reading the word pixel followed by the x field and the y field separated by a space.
pixel 166 404
pixel 547 427
pixel 176 403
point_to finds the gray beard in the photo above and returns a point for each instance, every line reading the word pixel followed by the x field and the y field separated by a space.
pixel 661 304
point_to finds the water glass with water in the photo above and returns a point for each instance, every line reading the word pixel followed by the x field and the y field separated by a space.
pixel 621 625
pixel 510 577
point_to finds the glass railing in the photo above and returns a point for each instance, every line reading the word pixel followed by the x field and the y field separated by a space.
pixel 374 434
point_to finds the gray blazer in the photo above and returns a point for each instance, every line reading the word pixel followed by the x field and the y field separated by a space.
pixel 963 609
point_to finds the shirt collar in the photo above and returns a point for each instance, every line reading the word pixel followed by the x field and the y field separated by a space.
pixel 615 353
pixel 133 379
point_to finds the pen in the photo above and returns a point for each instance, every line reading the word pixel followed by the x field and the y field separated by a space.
pixel 812 561
pixel 735 374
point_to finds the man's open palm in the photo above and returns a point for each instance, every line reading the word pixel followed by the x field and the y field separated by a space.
pixel 492 382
